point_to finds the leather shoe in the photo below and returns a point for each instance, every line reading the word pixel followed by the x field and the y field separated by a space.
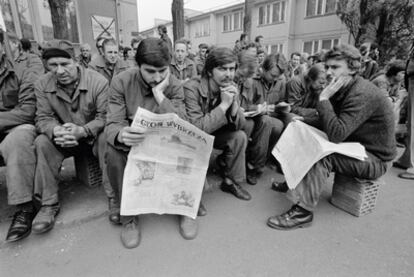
pixel 202 211
pixel 296 217
pixel 21 225
pixel 114 211
pixel 398 165
pixel 236 190
pixel 406 175
pixel 252 176
pixel 130 233
pixel 45 218
pixel 279 187
pixel 188 227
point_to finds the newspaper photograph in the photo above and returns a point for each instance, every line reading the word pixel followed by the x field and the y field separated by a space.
pixel 302 145
pixel 165 173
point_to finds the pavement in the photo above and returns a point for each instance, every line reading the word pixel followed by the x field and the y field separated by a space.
pixel 233 238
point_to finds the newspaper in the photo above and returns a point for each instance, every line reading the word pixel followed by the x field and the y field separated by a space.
pixel 166 172
pixel 301 146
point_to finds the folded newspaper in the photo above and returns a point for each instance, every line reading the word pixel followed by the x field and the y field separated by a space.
pixel 166 172
pixel 301 146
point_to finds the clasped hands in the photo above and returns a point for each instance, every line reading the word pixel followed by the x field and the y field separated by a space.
pixel 68 134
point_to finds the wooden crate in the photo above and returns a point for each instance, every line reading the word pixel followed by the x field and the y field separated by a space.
pixel 88 170
pixel 355 196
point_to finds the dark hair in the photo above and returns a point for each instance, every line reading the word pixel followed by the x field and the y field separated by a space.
pixel 260 50
pixel 98 43
pixel 1 36
pixel 243 36
pixel 26 44
pixel 217 57
pixel 275 60
pixel 153 51
pixel 251 45
pixel 135 40
pixel 203 46
pixel 125 52
pixel 295 54
pixel 345 52
pixel 108 41
pixel 163 28
pixel 258 38
pixel 314 72
pixel 395 67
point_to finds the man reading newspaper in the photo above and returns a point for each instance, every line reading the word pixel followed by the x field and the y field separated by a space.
pixel 351 109
pixel 150 86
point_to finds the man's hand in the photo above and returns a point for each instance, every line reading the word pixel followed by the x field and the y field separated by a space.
pixel 131 136
pixel 159 89
pixel 262 108
pixel 66 140
pixel 77 131
pixel 334 87
pixel 235 103
pixel 226 100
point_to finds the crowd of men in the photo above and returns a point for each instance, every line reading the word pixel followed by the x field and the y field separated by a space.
pixel 60 105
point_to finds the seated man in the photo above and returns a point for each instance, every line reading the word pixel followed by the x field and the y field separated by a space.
pixel 351 110
pixel 181 66
pixel 152 87
pixel 109 64
pixel 212 104
pixel 17 134
pixel 70 117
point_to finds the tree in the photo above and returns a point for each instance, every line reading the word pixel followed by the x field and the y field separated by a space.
pixel 59 19
pixel 247 21
pixel 389 23
pixel 177 10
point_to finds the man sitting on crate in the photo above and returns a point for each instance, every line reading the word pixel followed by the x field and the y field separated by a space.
pixel 70 117
pixel 350 109
pixel 17 133
pixel 152 87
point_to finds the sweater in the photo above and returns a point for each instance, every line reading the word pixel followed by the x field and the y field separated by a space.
pixel 358 112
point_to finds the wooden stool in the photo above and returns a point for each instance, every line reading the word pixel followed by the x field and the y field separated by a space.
pixel 88 170
pixel 355 196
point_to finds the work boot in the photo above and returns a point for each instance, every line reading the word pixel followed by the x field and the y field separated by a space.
pixel 130 233
pixel 45 218
pixel 188 227
pixel 296 217
pixel 21 225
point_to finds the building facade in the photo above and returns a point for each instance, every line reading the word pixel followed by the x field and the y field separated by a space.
pixel 286 25
pixel 86 19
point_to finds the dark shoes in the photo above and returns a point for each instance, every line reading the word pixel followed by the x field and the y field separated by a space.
pixel 202 211
pixel 21 225
pixel 296 217
pixel 114 211
pixel 45 218
pixel 236 190
pixel 406 175
pixel 188 227
pixel 279 187
pixel 398 165
pixel 130 233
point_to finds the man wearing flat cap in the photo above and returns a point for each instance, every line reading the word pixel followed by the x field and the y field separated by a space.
pixel 17 133
pixel 70 117
pixel 152 87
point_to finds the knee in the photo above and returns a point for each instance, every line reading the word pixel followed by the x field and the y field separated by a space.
pixel 21 136
pixel 239 140
pixel 113 156
pixel 42 143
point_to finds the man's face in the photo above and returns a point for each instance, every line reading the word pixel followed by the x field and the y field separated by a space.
pixel 85 52
pixel 134 48
pixel 180 52
pixel 295 60
pixel 319 83
pixel 64 69
pixel 223 75
pixel 261 41
pixel 272 75
pixel 252 51
pixel 203 52
pixel 399 77
pixel 260 58
pixel 336 68
pixel 111 53
pixel 153 75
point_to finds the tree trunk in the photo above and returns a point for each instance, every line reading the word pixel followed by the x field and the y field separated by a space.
pixel 247 21
pixel 177 10
pixel 59 19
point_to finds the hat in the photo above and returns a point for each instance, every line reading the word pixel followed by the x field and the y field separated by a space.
pixel 58 48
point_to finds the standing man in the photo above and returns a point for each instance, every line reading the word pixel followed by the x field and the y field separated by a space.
pixel 351 109
pixel 182 67
pixel 294 68
pixel 162 31
pixel 109 64
pixel 70 117
pixel 212 104
pixel 152 87
pixel 17 133
pixel 200 59
pixel 85 56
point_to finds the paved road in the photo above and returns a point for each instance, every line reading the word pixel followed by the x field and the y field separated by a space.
pixel 233 239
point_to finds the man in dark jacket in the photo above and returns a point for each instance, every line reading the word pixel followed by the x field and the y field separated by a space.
pixel 17 133
pixel 351 109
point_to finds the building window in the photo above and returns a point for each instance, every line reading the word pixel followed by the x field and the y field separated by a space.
pixel 320 7
pixel 233 21
pixel 202 28
pixel 274 48
pixel 314 46
pixel 272 13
